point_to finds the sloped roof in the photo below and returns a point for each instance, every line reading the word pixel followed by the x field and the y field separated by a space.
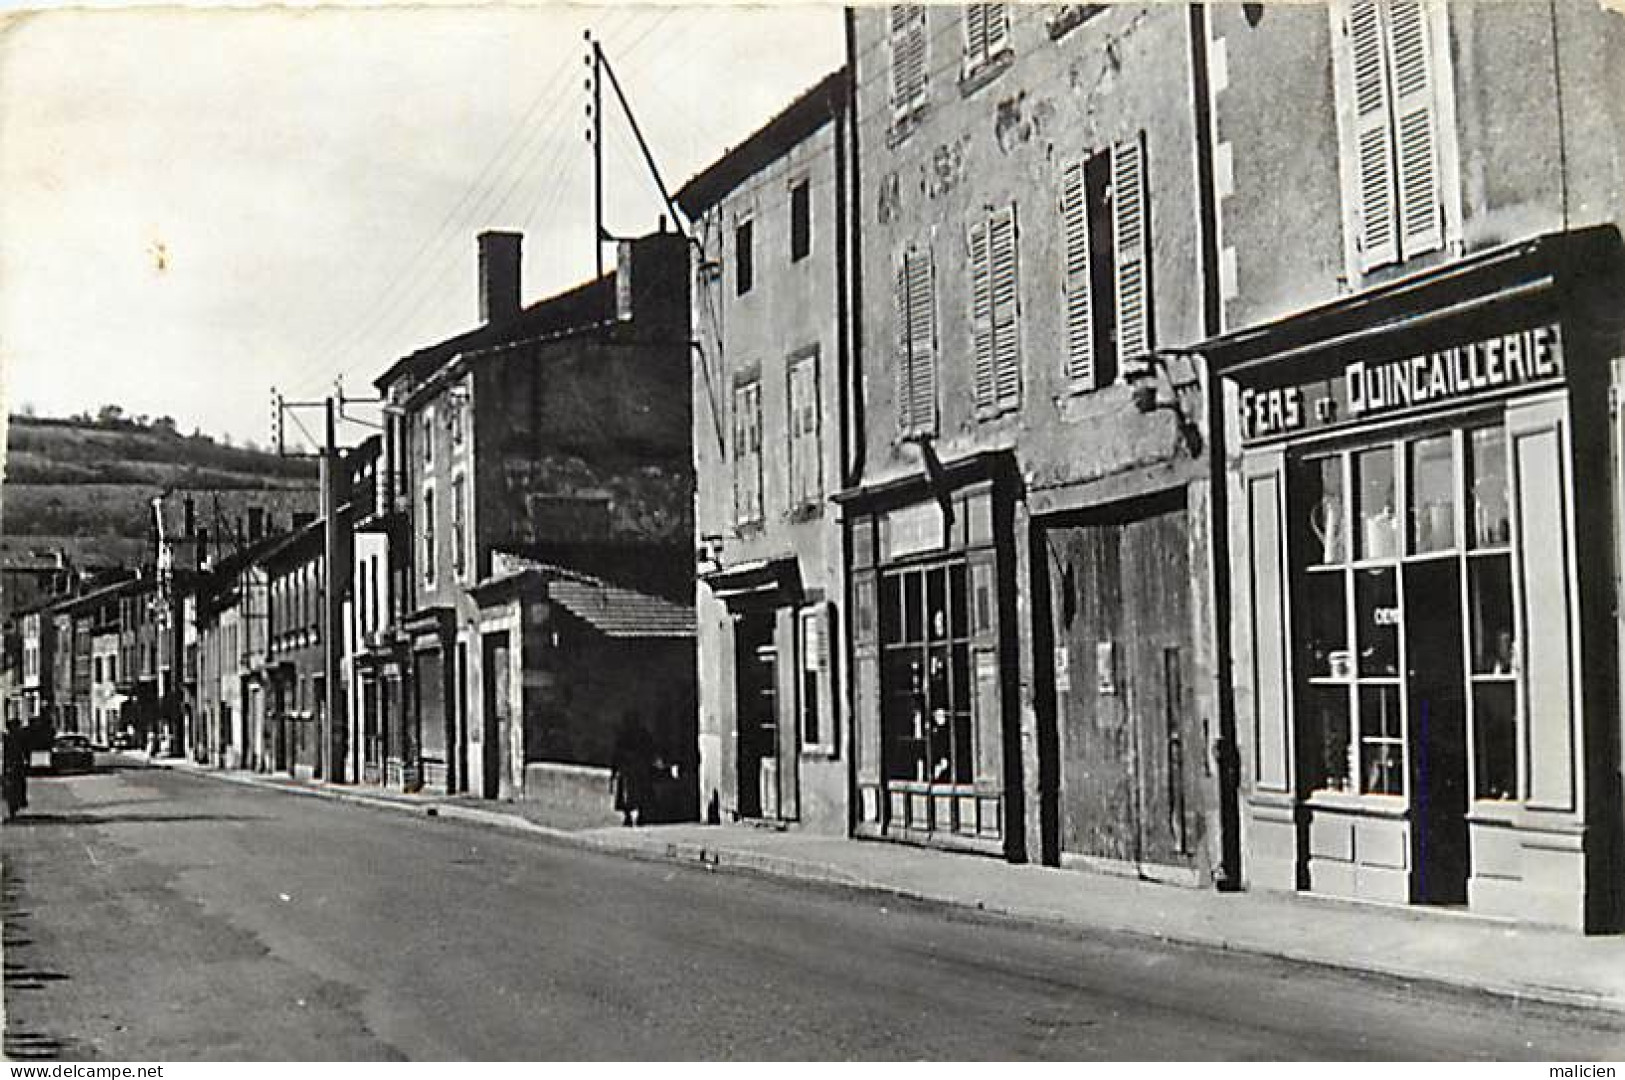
pixel 621 613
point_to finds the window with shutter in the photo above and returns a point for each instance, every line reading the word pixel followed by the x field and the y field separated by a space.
pixel 748 452
pixel 806 464
pixel 1392 89
pixel 981 305
pixel 1080 344
pixel 906 26
pixel 987 34
pixel 1130 249
pixel 916 346
pixel 1006 304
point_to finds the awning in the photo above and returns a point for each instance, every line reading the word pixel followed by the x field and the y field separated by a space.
pixel 761 580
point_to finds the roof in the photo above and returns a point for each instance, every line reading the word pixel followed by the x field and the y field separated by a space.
pixel 588 303
pixel 803 116
pixel 613 610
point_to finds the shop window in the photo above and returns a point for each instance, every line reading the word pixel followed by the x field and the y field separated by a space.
pixel 1432 502
pixel 1492 636
pixel 926 722
pixel 1392 625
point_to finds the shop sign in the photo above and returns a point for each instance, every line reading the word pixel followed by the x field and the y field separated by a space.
pixel 1366 389
pixel 913 530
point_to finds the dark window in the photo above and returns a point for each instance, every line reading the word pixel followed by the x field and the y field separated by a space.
pixel 800 221
pixel 744 263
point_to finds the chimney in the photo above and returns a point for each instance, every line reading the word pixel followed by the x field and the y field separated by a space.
pixel 651 285
pixel 499 275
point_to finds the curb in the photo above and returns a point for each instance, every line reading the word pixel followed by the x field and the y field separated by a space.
pixel 790 869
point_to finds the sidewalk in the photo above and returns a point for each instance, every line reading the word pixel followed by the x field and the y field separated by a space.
pixel 1459 950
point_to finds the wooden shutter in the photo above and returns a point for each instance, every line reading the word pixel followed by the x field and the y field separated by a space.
pixel 787 672
pixel 996 27
pixel 866 695
pixel 903 368
pixel 906 23
pixel 1006 294
pixel 922 333
pixel 1376 236
pixel 981 292
pixel 1129 239
pixel 975 33
pixel 1415 128
pixel 1080 323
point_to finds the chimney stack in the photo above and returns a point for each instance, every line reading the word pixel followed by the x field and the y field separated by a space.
pixel 499 275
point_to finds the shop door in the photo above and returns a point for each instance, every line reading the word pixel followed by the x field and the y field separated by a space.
pixel 1130 745
pixel 756 675
pixel 1438 731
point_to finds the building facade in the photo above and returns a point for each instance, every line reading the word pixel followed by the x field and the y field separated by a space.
pixel 1033 618
pixel 1426 479
pixel 295 654
pixel 774 398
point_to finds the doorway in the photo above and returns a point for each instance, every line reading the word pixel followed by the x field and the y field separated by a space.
pixel 498 712
pixel 756 675
pixel 1131 748
pixel 1438 736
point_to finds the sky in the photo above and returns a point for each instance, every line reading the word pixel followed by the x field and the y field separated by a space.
pixel 199 205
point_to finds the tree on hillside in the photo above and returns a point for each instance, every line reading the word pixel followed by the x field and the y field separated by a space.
pixel 110 415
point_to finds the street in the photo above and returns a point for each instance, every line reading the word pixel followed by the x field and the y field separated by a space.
pixel 152 914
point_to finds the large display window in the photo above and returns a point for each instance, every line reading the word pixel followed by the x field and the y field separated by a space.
pixel 1405 608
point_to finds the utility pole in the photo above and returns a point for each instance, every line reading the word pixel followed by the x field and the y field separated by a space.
pixel 596 138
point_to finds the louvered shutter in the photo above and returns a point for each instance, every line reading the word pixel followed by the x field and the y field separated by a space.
pixel 1377 239
pixel 1005 288
pixel 902 373
pixel 922 343
pixel 1129 239
pixel 975 33
pixel 996 20
pixel 906 23
pixel 1415 121
pixel 1080 323
pixel 981 291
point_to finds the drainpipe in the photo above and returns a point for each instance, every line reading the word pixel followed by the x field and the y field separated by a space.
pixel 1227 876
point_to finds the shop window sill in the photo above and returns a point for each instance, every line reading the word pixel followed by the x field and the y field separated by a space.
pixel 1384 806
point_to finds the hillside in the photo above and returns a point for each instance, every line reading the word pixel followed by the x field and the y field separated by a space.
pixel 93 481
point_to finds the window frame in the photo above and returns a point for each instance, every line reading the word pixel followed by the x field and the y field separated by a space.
pixel 916 352
pixel 800 220
pixel 747 451
pixel 996 353
pixel 744 254
pixel 981 50
pixel 907 101
pixel 426 534
pixel 805 447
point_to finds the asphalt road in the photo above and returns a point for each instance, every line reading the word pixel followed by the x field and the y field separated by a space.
pixel 152 914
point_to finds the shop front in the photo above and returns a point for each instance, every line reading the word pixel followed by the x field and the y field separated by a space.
pixel 1424 585
pixel 933 666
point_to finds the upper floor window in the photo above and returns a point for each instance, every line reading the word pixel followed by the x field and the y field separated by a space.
pixel 428 536
pixel 987 34
pixel 916 356
pixel 426 430
pixel 459 526
pixel 995 305
pixel 905 26
pixel 454 418
pixel 800 220
pixel 1105 244
pixel 747 457
pixel 744 257
pixel 1391 88
pixel 806 456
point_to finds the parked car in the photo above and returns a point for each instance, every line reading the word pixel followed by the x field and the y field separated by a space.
pixel 72 753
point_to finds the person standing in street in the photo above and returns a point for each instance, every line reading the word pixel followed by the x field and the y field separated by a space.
pixel 14 770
